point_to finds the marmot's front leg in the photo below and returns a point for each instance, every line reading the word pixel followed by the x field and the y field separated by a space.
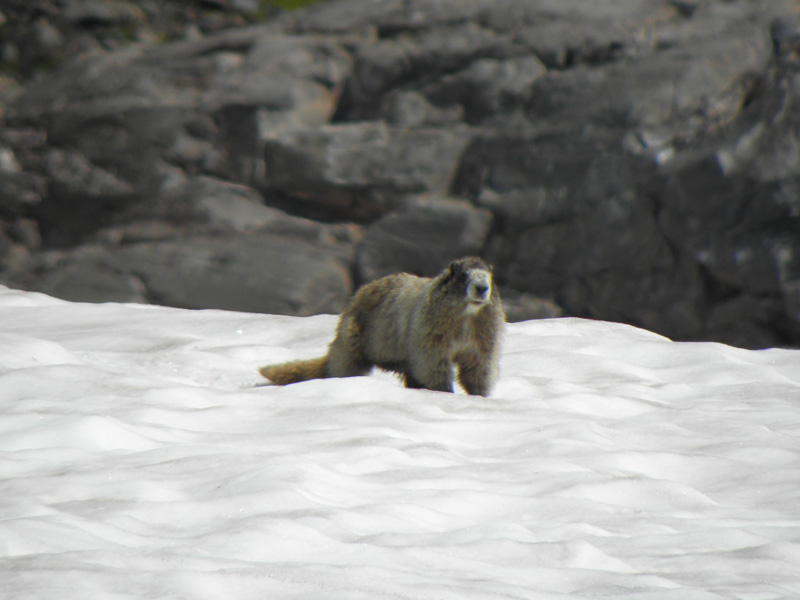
pixel 430 374
pixel 477 376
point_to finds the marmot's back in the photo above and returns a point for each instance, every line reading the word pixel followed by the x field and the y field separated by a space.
pixel 387 325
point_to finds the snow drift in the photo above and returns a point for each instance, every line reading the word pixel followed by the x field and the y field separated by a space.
pixel 140 458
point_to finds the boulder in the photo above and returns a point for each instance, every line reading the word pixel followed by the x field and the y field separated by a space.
pixel 86 275
pixel 421 238
pixel 359 169
pixel 253 273
pixel 400 61
pixel 82 197
pixel 20 192
pixel 210 204
pixel 520 306
pixel 675 94
pixel 487 87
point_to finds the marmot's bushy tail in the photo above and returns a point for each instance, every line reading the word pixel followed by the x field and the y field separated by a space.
pixel 298 370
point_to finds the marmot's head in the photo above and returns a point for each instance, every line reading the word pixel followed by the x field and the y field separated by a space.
pixel 471 279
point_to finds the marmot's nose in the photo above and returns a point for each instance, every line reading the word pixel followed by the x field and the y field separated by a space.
pixel 481 288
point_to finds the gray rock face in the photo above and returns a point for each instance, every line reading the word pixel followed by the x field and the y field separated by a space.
pixel 634 160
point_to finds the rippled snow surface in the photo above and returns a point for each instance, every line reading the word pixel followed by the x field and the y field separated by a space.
pixel 139 461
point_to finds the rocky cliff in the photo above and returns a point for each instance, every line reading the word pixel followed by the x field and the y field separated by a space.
pixel 627 160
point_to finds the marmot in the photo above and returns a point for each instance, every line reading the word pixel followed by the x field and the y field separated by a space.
pixel 421 328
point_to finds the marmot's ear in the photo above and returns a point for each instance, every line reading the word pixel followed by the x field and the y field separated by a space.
pixel 453 267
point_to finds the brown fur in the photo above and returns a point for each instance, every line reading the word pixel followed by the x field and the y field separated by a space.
pixel 298 370
pixel 417 327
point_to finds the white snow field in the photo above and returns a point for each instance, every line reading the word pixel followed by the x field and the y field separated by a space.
pixel 140 460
